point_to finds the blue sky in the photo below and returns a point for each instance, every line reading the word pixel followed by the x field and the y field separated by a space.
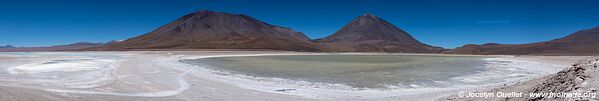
pixel 445 23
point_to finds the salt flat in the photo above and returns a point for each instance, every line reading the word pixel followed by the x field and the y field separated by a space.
pixel 158 75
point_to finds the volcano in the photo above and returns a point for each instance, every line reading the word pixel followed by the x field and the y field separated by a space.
pixel 217 30
pixel 369 33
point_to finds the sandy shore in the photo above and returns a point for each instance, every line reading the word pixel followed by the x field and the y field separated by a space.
pixel 149 75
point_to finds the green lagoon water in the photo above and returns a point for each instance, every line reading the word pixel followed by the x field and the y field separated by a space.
pixel 360 71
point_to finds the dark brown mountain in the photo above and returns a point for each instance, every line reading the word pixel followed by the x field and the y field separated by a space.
pixel 585 42
pixel 216 30
pixel 369 33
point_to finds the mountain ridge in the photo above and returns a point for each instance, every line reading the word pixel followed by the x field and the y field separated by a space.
pixel 7 46
pixel 584 42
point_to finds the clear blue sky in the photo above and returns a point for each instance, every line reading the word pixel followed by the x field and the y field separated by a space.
pixel 445 23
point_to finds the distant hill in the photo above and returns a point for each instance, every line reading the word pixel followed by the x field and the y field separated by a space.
pixel 217 30
pixel 7 46
pixel 585 42
pixel 84 44
pixel 369 33
pixel 112 42
pixel 69 47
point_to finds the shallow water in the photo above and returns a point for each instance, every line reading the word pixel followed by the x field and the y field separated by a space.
pixel 359 71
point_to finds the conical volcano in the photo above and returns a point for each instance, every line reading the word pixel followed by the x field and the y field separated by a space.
pixel 369 33
pixel 217 30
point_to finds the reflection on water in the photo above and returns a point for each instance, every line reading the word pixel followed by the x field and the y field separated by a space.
pixel 361 71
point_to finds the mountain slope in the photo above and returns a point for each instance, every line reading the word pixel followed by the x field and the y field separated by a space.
pixel 217 30
pixel 368 33
pixel 585 42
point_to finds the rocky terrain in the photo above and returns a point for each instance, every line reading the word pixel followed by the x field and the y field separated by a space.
pixel 369 33
pixel 217 30
pixel 580 77
pixel 585 42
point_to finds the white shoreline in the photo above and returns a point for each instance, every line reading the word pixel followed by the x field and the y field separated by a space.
pixel 317 90
pixel 173 80
pixel 110 77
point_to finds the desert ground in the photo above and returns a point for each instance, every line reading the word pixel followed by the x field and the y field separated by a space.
pixel 159 76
